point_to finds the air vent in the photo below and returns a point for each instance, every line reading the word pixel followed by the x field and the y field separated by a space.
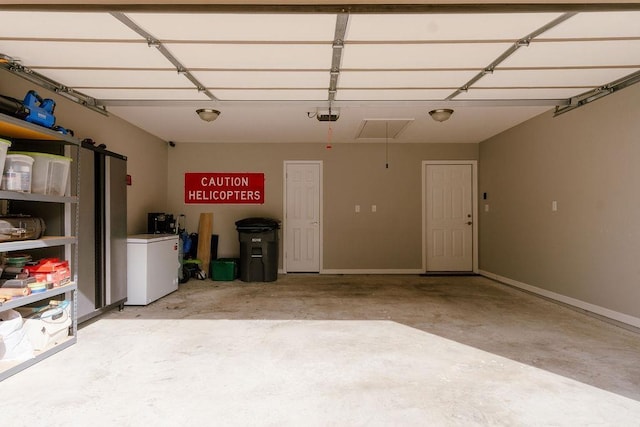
pixel 377 128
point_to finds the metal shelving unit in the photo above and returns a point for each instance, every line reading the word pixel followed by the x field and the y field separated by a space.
pixel 13 195
pixel 19 130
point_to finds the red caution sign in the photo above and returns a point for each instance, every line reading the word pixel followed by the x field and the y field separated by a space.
pixel 224 188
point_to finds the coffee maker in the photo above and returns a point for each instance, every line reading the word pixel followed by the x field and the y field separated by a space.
pixel 160 223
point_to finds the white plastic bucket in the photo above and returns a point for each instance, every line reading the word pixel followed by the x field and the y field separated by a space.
pixel 17 173
pixel 4 146
pixel 50 173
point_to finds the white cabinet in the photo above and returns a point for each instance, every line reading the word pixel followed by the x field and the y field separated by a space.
pixel 152 267
pixel 59 235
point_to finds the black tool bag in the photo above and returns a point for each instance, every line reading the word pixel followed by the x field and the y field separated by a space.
pixel 13 107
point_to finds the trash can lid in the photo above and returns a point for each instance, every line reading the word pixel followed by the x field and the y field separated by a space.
pixel 266 223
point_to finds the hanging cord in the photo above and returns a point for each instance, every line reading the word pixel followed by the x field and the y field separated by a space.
pixel 330 132
pixel 386 134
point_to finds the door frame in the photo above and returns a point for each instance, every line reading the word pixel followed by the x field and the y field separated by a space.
pixel 474 206
pixel 284 209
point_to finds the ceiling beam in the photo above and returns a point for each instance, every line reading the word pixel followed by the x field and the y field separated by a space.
pixel 523 42
pixel 390 7
pixel 342 19
pixel 362 103
pixel 600 92
pixel 154 42
pixel 14 67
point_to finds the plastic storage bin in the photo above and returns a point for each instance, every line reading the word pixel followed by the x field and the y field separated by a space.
pixel 258 249
pixel 48 327
pixel 50 173
pixel 17 173
pixel 4 146
pixel 224 269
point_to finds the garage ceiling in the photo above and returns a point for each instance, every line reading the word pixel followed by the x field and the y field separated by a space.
pixel 269 71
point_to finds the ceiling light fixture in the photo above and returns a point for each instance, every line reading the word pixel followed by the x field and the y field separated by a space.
pixel 441 114
pixel 207 114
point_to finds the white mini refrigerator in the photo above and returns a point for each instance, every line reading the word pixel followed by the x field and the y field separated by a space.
pixel 152 267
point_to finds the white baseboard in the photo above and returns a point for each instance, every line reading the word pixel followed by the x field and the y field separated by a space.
pixel 601 311
pixel 372 271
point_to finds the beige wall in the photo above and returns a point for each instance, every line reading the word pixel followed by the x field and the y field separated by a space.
pixel 586 160
pixel 146 154
pixel 353 174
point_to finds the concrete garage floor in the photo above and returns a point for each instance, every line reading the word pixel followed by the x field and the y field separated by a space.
pixel 338 350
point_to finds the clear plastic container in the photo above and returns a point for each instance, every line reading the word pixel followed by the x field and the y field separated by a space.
pixel 50 173
pixel 17 173
pixel 4 146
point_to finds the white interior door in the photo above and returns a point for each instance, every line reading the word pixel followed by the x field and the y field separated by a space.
pixel 449 217
pixel 302 216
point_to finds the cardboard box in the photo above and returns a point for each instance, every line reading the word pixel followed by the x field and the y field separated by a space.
pixel 50 270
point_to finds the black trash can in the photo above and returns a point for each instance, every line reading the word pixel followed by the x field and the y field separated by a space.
pixel 258 249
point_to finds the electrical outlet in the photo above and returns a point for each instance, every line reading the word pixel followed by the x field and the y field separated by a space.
pixel 357 208
pixel 374 208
